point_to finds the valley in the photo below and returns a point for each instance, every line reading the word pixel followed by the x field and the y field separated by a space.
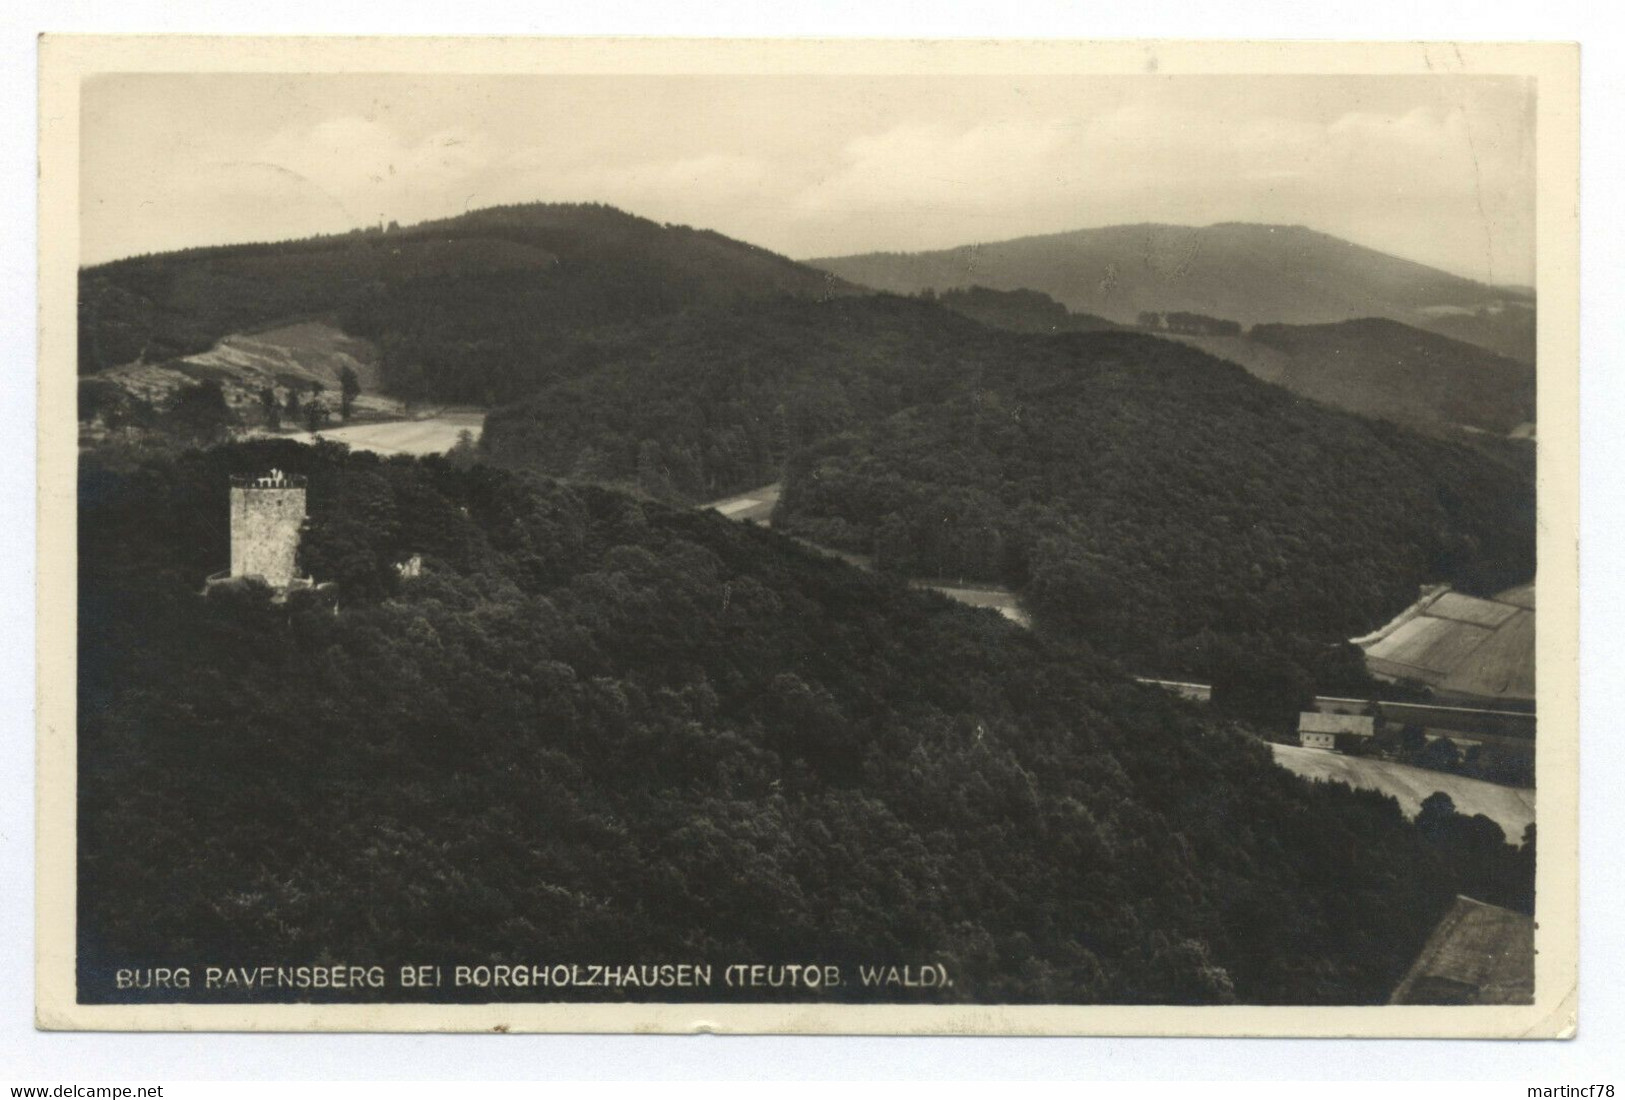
pixel 426 435
pixel 757 507
pixel 1510 807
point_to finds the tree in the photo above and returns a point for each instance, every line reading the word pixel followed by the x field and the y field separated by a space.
pixel 99 397
pixel 273 410
pixel 350 389
pixel 1437 812
pixel 464 453
pixel 1070 593
pixel 292 406
pixel 653 476
pixel 200 412
pixel 1441 754
pixel 894 545
pixel 1255 688
pixel 315 415
pixel 1525 871
pixel 591 464
pixel 1186 973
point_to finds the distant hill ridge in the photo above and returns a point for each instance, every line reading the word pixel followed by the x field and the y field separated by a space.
pixel 1247 272
pixel 494 306
pixel 487 294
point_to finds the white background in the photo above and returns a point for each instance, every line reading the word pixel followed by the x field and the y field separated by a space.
pixel 28 1057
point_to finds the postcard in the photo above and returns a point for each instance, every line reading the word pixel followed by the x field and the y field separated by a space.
pixel 581 535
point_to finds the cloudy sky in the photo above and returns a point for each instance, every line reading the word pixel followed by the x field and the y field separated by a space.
pixel 1438 169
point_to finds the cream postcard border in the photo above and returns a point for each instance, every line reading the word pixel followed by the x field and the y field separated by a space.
pixel 66 60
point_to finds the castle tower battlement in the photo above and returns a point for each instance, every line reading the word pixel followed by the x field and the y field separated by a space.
pixel 267 517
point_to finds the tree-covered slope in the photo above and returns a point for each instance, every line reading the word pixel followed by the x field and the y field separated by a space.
pixel 1383 368
pixel 1018 310
pixel 477 308
pixel 707 403
pixel 1190 497
pixel 598 730
pixel 1157 501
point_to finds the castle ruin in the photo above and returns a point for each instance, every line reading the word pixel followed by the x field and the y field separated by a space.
pixel 267 521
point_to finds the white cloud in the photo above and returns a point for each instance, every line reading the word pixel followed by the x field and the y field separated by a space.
pixel 1420 182
pixel 704 182
pixel 371 171
pixel 938 165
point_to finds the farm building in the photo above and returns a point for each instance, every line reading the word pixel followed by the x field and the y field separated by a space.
pixel 1466 649
pixel 1478 955
pixel 1320 731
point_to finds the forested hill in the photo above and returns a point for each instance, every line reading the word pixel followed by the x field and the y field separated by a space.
pixel 599 730
pixel 702 404
pixel 1139 491
pixel 1249 273
pixel 1165 505
pixel 475 308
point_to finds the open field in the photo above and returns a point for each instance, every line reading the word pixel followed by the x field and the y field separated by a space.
pixel 298 356
pixel 1432 647
pixel 1512 808
pixel 431 435
pixel 320 350
pixel 1486 613
pixel 1503 667
pixel 1461 646
pixel 756 505
pixel 1001 600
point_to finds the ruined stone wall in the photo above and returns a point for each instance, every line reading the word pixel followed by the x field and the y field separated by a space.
pixel 265 525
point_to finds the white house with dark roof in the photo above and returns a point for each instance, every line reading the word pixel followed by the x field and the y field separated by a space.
pixel 1320 731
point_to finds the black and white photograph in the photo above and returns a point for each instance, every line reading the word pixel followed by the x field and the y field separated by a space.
pixel 811 537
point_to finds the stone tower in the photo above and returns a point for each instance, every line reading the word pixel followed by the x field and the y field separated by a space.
pixel 267 514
